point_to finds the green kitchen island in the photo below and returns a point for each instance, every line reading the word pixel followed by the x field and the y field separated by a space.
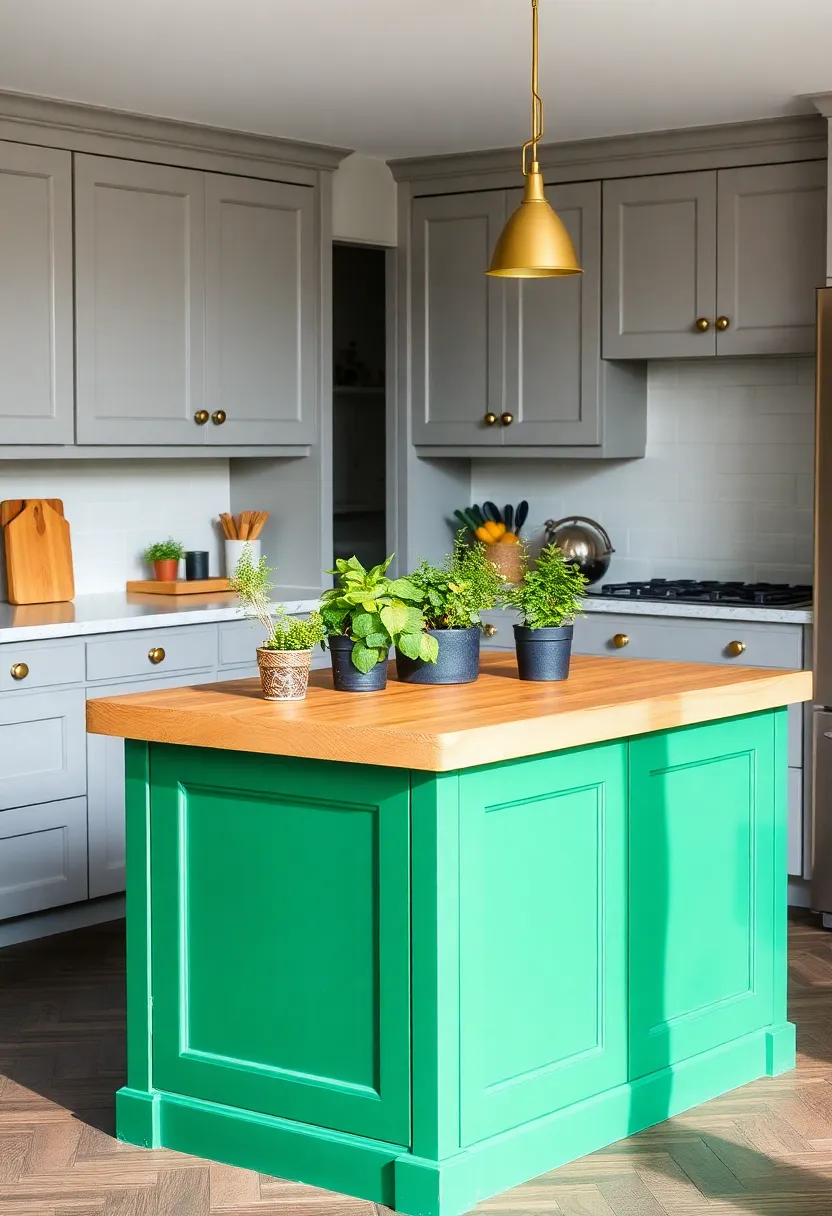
pixel 422 945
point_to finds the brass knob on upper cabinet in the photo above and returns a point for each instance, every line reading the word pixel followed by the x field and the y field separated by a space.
pixel 735 648
pixel 489 630
pixel 218 417
pixel 722 323
pixel 506 419
pixel 621 640
pixel 489 419
pixel 156 654
pixel 19 671
pixel 703 325
pixel 201 417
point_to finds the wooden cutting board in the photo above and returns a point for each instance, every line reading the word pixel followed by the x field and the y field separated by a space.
pixel 38 551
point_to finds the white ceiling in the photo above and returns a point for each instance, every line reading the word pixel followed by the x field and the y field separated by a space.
pixel 407 77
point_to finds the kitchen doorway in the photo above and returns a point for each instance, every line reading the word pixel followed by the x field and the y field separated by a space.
pixel 359 342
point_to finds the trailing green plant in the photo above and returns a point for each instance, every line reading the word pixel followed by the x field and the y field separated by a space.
pixel 550 593
pixel 169 550
pixel 252 582
pixel 376 612
pixel 455 594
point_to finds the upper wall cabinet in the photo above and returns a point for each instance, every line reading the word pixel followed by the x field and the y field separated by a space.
pixel 723 262
pixel 36 383
pixel 512 366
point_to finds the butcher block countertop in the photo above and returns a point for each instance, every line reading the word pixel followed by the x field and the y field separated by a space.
pixel 439 729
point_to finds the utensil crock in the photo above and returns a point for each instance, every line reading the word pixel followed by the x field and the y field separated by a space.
pixel 234 551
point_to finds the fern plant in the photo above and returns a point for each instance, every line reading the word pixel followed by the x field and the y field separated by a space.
pixel 252 582
pixel 550 593
pixel 169 550
pixel 456 593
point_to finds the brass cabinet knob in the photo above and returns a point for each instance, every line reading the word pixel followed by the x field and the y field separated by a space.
pixel 735 648
pixel 20 671
pixel 201 417
pixel 489 419
pixel 489 630
pixel 506 419
pixel 218 417
pixel 621 640
pixel 722 323
pixel 156 654
pixel 703 325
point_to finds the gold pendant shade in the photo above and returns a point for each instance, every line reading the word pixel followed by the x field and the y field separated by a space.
pixel 534 243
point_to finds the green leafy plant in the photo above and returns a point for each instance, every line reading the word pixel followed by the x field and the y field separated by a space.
pixel 550 593
pixel 252 582
pixel 376 612
pixel 455 594
pixel 169 550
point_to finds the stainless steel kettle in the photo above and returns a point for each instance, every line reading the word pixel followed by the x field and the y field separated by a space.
pixel 582 541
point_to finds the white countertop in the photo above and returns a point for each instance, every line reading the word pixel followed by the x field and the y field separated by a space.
pixel 118 612
pixel 711 612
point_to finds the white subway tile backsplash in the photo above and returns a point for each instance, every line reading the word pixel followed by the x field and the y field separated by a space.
pixel 725 490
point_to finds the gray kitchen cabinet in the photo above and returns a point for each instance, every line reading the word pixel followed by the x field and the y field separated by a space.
pixel 771 246
pixel 260 311
pixel 43 856
pixel 140 302
pixel 739 251
pixel 42 747
pixel 458 320
pixel 36 357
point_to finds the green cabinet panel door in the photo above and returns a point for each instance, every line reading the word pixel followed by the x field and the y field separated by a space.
pixel 702 888
pixel 280 937
pixel 543 936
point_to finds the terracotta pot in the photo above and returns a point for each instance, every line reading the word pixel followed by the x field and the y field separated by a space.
pixel 284 674
pixel 166 571
pixel 510 559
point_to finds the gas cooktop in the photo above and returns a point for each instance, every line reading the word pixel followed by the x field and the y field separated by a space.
pixel 692 591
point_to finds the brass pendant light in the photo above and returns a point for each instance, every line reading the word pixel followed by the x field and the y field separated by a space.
pixel 534 243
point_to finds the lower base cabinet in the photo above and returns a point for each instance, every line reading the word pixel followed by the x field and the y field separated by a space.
pixel 43 856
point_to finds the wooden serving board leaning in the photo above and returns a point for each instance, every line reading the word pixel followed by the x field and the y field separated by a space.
pixel 38 551
pixel 179 586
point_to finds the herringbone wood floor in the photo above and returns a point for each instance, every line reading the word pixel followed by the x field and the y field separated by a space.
pixel 765 1149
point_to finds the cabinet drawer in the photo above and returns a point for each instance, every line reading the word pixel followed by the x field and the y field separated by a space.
pixel 48 663
pixel 120 656
pixel 42 746
pixel 675 639
pixel 238 642
pixel 43 856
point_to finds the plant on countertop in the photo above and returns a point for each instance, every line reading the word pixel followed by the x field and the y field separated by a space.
pixel 169 550
pixel 550 594
pixel 252 582
pixel 455 594
pixel 376 612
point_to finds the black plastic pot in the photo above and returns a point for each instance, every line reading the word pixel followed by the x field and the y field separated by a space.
pixel 543 654
pixel 458 661
pixel 345 675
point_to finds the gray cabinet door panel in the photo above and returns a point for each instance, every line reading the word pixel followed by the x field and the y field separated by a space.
pixel 553 335
pixel 140 302
pixel 659 266
pixel 42 747
pixel 43 856
pixel 261 300
pixel 771 257
pixel 458 319
pixel 36 388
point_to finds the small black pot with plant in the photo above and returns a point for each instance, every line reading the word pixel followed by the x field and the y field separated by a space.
pixel 366 614
pixel 549 599
pixel 454 596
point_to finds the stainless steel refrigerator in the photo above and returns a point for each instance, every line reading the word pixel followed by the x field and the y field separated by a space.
pixel 822 799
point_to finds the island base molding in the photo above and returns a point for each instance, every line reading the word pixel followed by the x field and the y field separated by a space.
pixel 382 1173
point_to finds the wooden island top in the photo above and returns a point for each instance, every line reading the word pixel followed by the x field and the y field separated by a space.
pixel 440 729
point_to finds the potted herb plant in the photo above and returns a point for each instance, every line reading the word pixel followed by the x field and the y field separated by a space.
pixel 549 598
pixel 286 653
pixel 454 595
pixel 164 556
pixel 364 615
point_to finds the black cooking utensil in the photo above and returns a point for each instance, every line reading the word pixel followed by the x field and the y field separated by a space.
pixel 477 514
pixel 466 523
pixel 493 512
pixel 521 515
pixel 508 518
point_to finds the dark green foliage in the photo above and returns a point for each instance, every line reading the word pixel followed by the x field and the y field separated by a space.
pixel 455 594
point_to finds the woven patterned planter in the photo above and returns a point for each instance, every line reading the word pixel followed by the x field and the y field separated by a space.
pixel 284 674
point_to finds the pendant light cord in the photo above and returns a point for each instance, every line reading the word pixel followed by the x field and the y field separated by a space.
pixel 537 101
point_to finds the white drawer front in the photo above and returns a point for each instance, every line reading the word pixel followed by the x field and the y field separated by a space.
pixel 42 748
pixel 43 856
pixel 120 656
pixel 690 640
pixel 48 663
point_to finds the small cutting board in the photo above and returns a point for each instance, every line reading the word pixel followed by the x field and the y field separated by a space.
pixel 38 551
pixel 179 586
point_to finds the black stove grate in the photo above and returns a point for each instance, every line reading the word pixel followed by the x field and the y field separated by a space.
pixel 694 591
